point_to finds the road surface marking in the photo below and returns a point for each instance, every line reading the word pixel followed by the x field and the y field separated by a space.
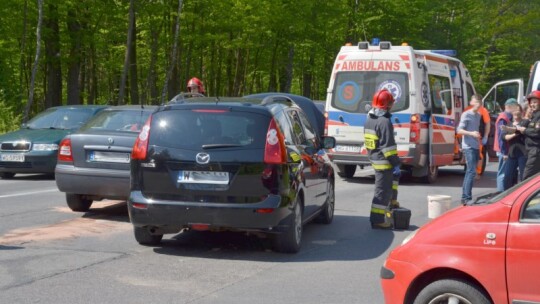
pixel 28 193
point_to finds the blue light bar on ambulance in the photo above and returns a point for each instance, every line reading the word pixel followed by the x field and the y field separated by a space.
pixel 451 53
pixel 375 41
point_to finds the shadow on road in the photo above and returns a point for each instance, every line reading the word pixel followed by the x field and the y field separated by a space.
pixel 108 210
pixel 348 238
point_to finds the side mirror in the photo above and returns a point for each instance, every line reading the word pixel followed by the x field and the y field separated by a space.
pixel 329 142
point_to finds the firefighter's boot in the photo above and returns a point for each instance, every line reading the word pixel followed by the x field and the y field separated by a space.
pixel 387 224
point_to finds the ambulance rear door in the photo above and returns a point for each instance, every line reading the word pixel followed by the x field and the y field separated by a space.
pixel 442 123
pixel 494 103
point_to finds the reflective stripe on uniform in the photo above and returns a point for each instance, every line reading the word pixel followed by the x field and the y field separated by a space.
pixel 395 185
pixel 389 151
pixel 370 139
pixel 381 164
pixel 378 211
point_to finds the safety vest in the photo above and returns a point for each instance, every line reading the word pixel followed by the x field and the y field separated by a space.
pixel 496 146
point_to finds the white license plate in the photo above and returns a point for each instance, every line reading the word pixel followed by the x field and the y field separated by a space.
pixel 12 158
pixel 345 148
pixel 109 157
pixel 203 177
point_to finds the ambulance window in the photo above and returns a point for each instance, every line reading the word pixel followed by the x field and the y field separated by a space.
pixel 441 95
pixel 353 91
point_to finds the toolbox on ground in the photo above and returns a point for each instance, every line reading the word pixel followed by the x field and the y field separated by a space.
pixel 402 218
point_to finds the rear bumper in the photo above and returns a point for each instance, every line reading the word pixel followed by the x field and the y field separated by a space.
pixel 172 216
pixel 104 183
pixel 34 162
pixel 349 159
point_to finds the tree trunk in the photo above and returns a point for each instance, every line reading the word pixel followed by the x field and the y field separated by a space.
pixel 173 55
pixel 23 76
pixel 36 61
pixel 133 79
pixel 272 84
pixel 152 75
pixel 53 96
pixel 131 23
pixel 308 75
pixel 74 68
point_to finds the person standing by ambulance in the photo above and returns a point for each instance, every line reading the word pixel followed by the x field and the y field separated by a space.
pixel 468 127
pixel 485 128
pixel 501 145
pixel 382 153
pixel 532 136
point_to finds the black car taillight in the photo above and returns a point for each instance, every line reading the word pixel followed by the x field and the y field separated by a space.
pixel 274 150
pixel 65 153
pixel 140 148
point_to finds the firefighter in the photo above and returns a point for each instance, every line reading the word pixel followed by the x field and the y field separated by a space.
pixel 195 86
pixel 532 136
pixel 382 152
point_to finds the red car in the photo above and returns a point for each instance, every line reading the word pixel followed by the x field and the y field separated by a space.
pixel 487 252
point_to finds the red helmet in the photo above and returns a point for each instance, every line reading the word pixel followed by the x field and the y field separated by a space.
pixel 382 100
pixel 195 83
pixel 534 94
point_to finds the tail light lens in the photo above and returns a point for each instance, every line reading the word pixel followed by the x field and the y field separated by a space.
pixel 140 148
pixel 415 129
pixel 325 123
pixel 65 152
pixel 274 150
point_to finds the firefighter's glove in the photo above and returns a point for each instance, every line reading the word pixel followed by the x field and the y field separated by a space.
pixel 484 141
pixel 396 171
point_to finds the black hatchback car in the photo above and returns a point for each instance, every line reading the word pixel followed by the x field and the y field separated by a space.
pixel 242 164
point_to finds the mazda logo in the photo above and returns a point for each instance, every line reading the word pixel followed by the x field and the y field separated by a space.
pixel 202 158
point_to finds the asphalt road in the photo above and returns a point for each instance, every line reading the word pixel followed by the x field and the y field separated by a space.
pixel 49 254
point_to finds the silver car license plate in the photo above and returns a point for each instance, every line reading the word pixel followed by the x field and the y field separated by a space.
pixel 12 158
pixel 203 177
pixel 109 157
pixel 347 148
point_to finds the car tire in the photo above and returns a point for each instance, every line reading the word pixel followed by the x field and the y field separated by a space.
pixel 443 291
pixel 144 237
pixel 432 175
pixel 77 202
pixel 346 171
pixel 327 213
pixel 289 241
pixel 7 175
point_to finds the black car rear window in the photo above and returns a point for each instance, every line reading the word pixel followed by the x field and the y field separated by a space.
pixel 196 129
pixel 118 120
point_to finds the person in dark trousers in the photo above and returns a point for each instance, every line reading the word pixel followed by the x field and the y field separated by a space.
pixel 532 136
pixel 468 127
pixel 382 153
pixel 517 154
pixel 500 144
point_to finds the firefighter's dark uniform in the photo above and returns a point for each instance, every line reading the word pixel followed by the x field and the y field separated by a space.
pixel 382 152
pixel 532 144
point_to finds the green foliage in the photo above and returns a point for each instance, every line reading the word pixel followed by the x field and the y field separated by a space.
pixel 240 47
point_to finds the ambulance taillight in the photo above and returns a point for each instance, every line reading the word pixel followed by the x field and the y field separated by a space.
pixel 415 129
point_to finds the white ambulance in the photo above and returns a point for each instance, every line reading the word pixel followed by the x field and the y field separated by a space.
pixel 430 90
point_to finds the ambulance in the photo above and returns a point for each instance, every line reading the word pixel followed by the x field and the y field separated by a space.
pixel 430 91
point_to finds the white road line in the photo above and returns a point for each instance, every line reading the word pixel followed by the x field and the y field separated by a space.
pixel 28 193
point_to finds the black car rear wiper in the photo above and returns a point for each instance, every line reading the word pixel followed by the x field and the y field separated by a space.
pixel 215 146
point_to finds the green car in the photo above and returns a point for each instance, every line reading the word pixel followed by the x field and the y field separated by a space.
pixel 34 147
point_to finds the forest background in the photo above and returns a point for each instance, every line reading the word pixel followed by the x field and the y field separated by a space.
pixel 140 52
